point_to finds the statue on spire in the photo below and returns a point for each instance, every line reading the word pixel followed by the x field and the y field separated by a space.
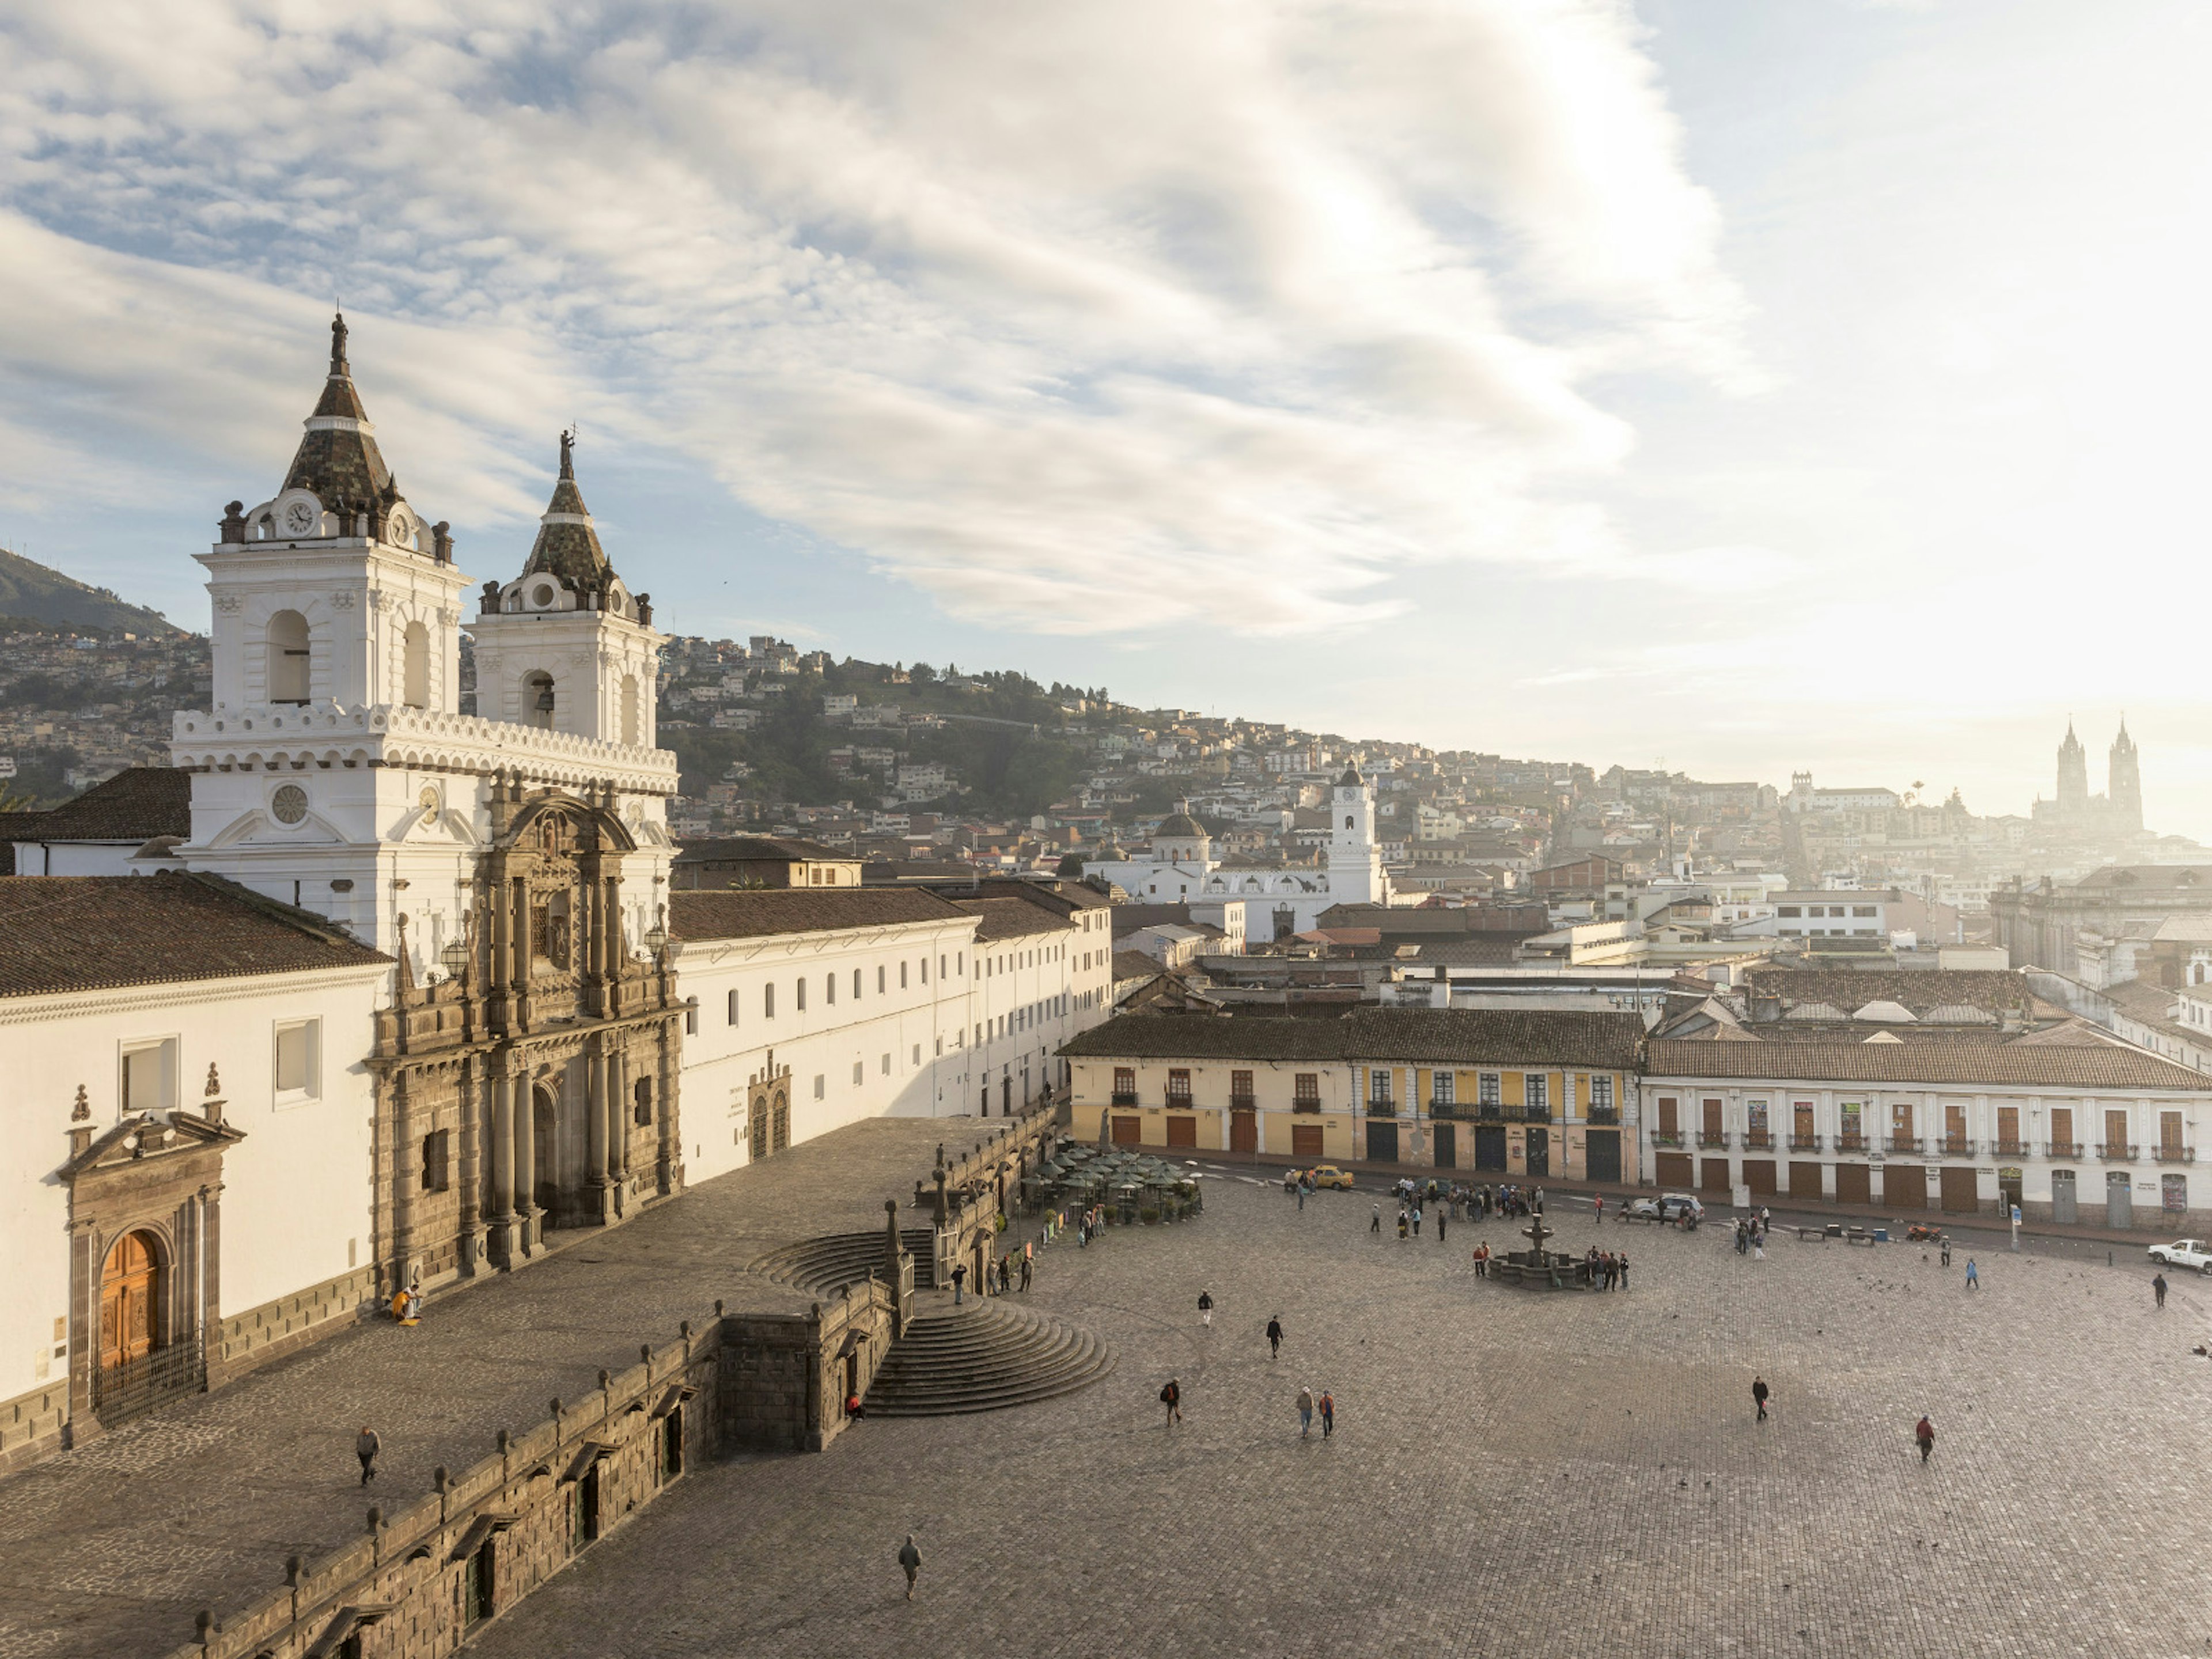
pixel 337 344
pixel 567 443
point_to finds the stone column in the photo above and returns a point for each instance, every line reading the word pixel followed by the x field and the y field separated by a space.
pixel 611 943
pixel 470 1171
pixel 504 1228
pixel 406 1176
pixel 519 969
pixel 526 1212
pixel 601 1189
pixel 618 1125
pixel 669 1164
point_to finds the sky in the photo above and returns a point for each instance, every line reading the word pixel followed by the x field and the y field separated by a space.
pixel 1728 386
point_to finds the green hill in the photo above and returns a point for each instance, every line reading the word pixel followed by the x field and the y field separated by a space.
pixel 36 594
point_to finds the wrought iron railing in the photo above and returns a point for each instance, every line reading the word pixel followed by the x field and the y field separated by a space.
pixel 2008 1149
pixel 1760 1139
pixel 1605 1115
pixel 1908 1144
pixel 2064 1148
pixel 1804 1142
pixel 135 1387
pixel 2175 1154
pixel 1125 1097
pixel 1712 1138
pixel 1958 1146
pixel 2114 1151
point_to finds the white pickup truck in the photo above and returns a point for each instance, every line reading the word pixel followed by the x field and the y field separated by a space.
pixel 2184 1252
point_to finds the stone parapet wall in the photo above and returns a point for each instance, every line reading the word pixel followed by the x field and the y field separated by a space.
pixel 783 1376
pixel 276 1328
pixel 31 1424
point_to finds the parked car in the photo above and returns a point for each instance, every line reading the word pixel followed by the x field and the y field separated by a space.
pixel 1681 1209
pixel 2184 1252
pixel 1323 1175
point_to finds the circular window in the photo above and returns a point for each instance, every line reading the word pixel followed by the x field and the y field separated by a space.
pixel 541 596
pixel 289 804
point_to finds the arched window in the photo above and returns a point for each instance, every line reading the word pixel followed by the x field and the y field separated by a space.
pixel 631 732
pixel 287 657
pixel 1347 821
pixel 538 700
pixel 415 667
pixel 767 1001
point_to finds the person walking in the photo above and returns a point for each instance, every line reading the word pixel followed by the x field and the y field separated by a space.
pixel 1275 1336
pixel 1946 1251
pixel 1924 1432
pixel 1305 1411
pixel 1327 1413
pixel 1172 1397
pixel 1401 1223
pixel 1302 1196
pixel 1597 1209
pixel 1004 1275
pixel 1442 1221
pixel 1206 1308
pixel 1025 1272
pixel 1974 1275
pixel 1623 1265
pixel 1760 1393
pixel 2158 1288
pixel 959 1282
pixel 1417 1221
pixel 1375 1221
pixel 366 1446
pixel 909 1559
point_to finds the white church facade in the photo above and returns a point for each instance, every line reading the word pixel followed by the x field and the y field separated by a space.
pixel 1280 900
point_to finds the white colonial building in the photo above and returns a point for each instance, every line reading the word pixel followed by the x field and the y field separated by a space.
pixel 1280 900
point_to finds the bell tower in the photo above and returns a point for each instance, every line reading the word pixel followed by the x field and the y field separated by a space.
pixel 2072 778
pixel 1355 861
pixel 2123 783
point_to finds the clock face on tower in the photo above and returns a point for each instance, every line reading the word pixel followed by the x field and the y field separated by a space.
pixel 298 517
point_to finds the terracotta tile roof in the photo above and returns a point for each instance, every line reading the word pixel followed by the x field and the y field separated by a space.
pixel 135 805
pixel 87 932
pixel 1210 1036
pixel 1979 1064
pixel 755 912
pixel 1508 1037
pixel 1010 918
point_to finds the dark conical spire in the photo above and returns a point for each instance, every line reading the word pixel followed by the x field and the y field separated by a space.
pixel 337 461
pixel 568 545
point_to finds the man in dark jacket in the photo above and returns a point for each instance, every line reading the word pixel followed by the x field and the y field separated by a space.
pixel 1274 1336
pixel 910 1559
pixel 1924 1432
pixel 1759 1392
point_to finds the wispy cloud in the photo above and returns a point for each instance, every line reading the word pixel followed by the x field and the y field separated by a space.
pixel 1073 316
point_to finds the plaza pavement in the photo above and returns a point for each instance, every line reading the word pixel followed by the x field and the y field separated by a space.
pixel 1515 1472
pixel 108 1551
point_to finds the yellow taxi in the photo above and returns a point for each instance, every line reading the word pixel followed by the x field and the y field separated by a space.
pixel 1323 1177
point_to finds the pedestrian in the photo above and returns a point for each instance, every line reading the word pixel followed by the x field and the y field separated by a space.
pixel 1623 1270
pixel 1540 1200
pixel 1005 1272
pixel 1172 1397
pixel 1442 1221
pixel 959 1282
pixel 1274 1336
pixel 1417 1221
pixel 1974 1275
pixel 1759 1243
pixel 1206 1308
pixel 1597 1209
pixel 910 1559
pixel 1327 1413
pixel 1482 1260
pixel 1924 1432
pixel 1758 1393
pixel 1946 1252
pixel 2158 1288
pixel 366 1447
pixel 1375 1221
pixel 1401 1223
pixel 1305 1411
pixel 1765 1221
pixel 1302 1197
pixel 1025 1273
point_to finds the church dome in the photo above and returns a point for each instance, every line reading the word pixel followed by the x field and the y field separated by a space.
pixel 1179 826
pixel 1351 779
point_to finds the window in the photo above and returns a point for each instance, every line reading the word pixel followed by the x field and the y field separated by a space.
pixel 1305 1089
pixel 1601 1092
pixel 437 1148
pixel 768 1001
pixel 799 984
pixel 856 983
pixel 295 1057
pixel 830 989
pixel 537 701
pixel 1125 1085
pixel 631 726
pixel 732 1019
pixel 414 667
pixel 2062 1130
pixel 924 969
pixel 887 1063
pixel 1440 1087
pixel 1534 1091
pixel 1787 910
pixel 1378 1085
pixel 287 657
pixel 821 1085
pixel 2009 1126
pixel 857 1071
pixel 1240 1088
pixel 1178 1085
pixel 917 1053
pixel 1864 910
pixel 149 1077
pixel 1670 1121
pixel 692 1020
pixel 641 1102
pixel 1851 1131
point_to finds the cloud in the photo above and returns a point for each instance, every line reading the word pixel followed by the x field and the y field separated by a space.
pixel 1081 319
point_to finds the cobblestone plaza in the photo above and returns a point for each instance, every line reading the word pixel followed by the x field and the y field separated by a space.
pixel 1512 1473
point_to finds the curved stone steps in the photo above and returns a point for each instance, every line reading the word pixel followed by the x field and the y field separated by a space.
pixel 837 1260
pixel 984 1358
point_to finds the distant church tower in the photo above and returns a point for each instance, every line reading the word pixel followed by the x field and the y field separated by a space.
pixel 1355 862
pixel 2072 778
pixel 2124 783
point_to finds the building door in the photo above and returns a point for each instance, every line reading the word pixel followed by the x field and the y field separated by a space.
pixel 1006 1096
pixel 1601 1154
pixel 1709 1127
pixel 1445 1137
pixel 1759 1176
pixel 1712 1175
pixel 1183 1132
pixel 1489 1148
pixel 1853 1184
pixel 1128 1131
pixel 1244 1132
pixel 2062 1207
pixel 129 1284
pixel 1382 1143
pixel 1904 1187
pixel 2119 1199
pixel 1673 1171
pixel 760 1135
pixel 1805 1180
pixel 543 1144
pixel 1802 1133
pixel 1305 1141
pixel 1540 1151
pixel 1962 1194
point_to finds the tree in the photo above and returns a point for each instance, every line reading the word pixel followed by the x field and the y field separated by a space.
pixel 1070 867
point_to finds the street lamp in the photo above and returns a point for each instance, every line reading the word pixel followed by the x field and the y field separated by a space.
pixel 656 937
pixel 455 956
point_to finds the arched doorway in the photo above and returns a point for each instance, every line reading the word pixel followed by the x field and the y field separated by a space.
pixel 130 1300
pixel 780 1111
pixel 543 1145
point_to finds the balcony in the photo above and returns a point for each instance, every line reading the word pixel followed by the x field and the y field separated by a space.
pixel 1536 1113
pixel 1908 1145
pixel 1958 1146
pixel 1443 1106
pixel 1381 1108
pixel 1804 1142
pixel 1666 1138
pixel 2175 1155
pixel 1713 1138
pixel 1758 1140
pixel 1850 1143
pixel 2008 1149
pixel 1124 1098
pixel 1246 1103
pixel 2113 1152
pixel 1181 1103
pixel 1605 1115
pixel 2069 1149
pixel 1306 1104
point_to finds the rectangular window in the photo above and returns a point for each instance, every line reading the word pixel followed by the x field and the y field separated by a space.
pixel 437 1160
pixel 1670 1122
pixel 1864 910
pixel 1378 1085
pixel 1179 1084
pixel 1601 1091
pixel 1125 1082
pixel 829 990
pixel 1533 1087
pixel 2169 1132
pixel 2061 1125
pixel 1786 911
pixel 1240 1086
pixel 296 1058
pixel 917 1053
pixel 2009 1126
pixel 149 1077
pixel 691 1022
pixel 856 984
pixel 768 1001
pixel 924 969
pixel 857 1071
pixel 1802 1112
pixel 1851 1129
pixel 1440 1088
pixel 1305 1089
pixel 733 1018
pixel 821 1085
pixel 2116 1129
pixel 1489 1089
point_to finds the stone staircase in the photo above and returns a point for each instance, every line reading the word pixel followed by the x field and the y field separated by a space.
pixel 829 1263
pixel 983 1356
